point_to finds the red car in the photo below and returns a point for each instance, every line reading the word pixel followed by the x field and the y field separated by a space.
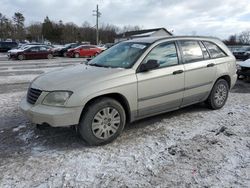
pixel 84 51
pixel 32 52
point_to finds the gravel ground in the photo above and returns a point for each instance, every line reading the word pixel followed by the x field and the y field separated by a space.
pixel 190 147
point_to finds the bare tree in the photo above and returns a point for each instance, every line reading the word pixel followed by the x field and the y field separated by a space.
pixel 34 32
pixel 244 37
pixel 6 27
pixel 18 20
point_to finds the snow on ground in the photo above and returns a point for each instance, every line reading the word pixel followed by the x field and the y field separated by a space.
pixel 190 147
pixel 17 79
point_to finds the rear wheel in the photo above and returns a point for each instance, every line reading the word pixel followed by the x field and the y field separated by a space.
pixel 49 56
pixel 96 54
pixel 20 57
pixel 64 54
pixel 76 55
pixel 218 95
pixel 102 122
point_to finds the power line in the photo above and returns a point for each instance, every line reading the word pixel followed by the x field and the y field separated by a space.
pixel 97 13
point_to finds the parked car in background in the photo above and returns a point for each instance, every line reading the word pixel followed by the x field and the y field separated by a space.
pixel 242 53
pixel 244 69
pixel 102 47
pixel 108 45
pixel 32 52
pixel 134 79
pixel 84 51
pixel 27 45
pixel 6 46
pixel 63 51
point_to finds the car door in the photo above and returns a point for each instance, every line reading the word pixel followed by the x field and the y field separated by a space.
pixel 31 53
pixel 161 89
pixel 84 51
pixel 43 52
pixel 199 70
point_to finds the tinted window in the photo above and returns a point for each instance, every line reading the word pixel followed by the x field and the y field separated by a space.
pixel 34 49
pixel 43 48
pixel 191 51
pixel 165 54
pixel 85 47
pixel 214 50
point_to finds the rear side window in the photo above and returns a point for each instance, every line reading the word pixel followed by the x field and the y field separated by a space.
pixel 191 51
pixel 43 48
pixel 214 50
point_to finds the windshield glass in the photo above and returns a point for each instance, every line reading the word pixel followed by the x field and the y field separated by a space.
pixel 244 48
pixel 122 55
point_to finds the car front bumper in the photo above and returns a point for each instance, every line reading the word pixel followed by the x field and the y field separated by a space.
pixel 244 72
pixel 12 56
pixel 54 116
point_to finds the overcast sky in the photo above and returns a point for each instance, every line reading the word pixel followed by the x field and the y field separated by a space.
pixel 185 17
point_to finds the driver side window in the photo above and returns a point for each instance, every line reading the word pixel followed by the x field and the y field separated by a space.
pixel 34 49
pixel 165 54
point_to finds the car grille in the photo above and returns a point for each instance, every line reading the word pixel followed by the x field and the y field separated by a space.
pixel 33 95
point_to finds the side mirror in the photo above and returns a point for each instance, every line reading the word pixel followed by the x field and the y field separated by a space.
pixel 151 64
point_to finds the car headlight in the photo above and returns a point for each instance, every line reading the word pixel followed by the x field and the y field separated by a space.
pixel 57 98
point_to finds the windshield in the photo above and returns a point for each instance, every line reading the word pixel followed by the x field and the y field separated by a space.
pixel 122 55
pixel 244 48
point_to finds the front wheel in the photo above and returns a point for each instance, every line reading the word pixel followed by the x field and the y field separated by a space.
pixel 96 54
pixel 20 57
pixel 102 122
pixel 218 95
pixel 76 55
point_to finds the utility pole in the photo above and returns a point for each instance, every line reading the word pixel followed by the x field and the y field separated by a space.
pixel 98 15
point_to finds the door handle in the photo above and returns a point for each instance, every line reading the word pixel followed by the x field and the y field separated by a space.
pixel 178 72
pixel 210 65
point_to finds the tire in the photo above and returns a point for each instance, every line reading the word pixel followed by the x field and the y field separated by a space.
pixel 76 55
pixel 218 95
pixel 64 54
pixel 96 54
pixel 20 57
pixel 49 56
pixel 96 126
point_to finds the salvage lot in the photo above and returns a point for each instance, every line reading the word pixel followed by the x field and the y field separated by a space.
pixel 191 147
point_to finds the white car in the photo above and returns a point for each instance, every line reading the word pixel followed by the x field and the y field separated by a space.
pixel 243 69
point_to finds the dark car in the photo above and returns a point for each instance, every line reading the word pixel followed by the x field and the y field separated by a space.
pixel 6 46
pixel 244 69
pixel 242 53
pixel 63 51
pixel 32 52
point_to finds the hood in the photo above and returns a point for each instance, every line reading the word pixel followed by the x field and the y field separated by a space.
pixel 74 77
pixel 15 50
pixel 71 49
pixel 245 63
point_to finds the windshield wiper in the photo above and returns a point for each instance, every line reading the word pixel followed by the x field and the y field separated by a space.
pixel 98 65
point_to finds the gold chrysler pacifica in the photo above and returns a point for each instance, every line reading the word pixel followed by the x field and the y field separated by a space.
pixel 132 80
